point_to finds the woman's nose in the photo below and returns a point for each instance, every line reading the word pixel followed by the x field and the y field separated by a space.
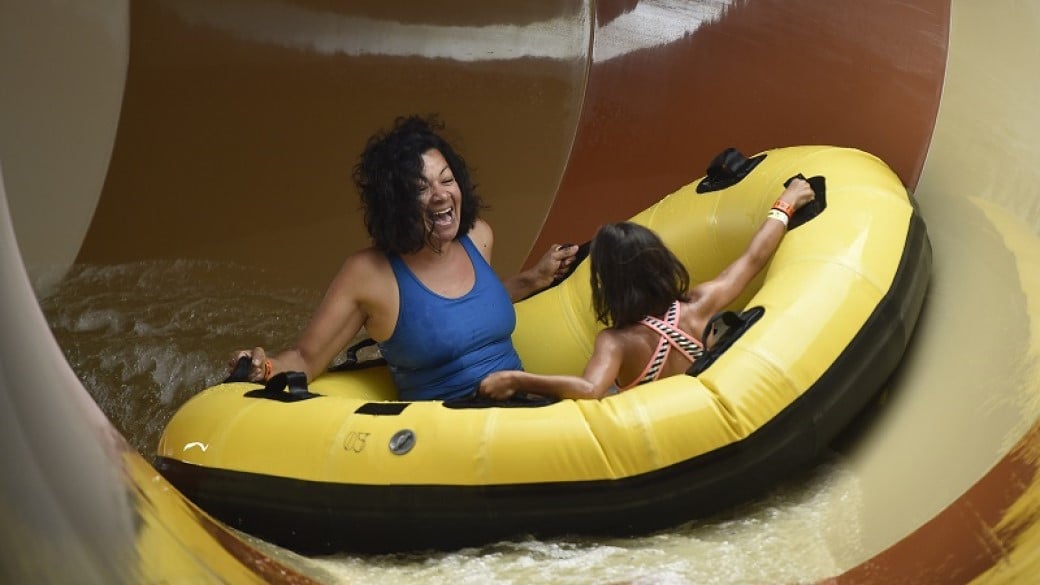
pixel 439 192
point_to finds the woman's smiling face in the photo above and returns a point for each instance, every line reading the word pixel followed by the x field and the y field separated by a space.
pixel 440 199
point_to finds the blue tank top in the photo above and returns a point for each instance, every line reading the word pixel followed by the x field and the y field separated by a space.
pixel 442 348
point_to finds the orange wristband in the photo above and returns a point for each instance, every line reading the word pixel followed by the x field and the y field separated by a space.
pixel 268 368
pixel 784 206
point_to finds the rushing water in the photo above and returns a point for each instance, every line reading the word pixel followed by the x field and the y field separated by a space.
pixel 144 337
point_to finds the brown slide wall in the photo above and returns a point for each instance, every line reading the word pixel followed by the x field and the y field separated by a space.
pixel 758 75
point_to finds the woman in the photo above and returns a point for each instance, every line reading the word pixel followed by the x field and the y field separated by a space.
pixel 424 290
pixel 640 291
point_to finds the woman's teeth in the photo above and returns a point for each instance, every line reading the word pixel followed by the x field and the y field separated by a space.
pixel 443 217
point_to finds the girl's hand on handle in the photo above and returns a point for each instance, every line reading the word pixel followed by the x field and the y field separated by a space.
pixel 798 193
pixel 497 385
pixel 261 365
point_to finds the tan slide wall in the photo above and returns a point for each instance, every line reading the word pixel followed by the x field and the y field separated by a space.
pixel 64 67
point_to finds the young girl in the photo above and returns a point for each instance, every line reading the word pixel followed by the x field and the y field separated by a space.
pixel 641 292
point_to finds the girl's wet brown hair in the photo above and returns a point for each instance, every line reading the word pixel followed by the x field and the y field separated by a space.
pixel 633 275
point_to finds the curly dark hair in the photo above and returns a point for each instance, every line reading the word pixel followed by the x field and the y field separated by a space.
pixel 388 176
pixel 633 275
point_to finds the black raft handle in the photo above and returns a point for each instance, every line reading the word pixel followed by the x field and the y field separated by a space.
pixel 579 257
pixel 814 207
pixel 726 327
pixel 351 362
pixel 240 373
pixel 283 387
pixel 728 168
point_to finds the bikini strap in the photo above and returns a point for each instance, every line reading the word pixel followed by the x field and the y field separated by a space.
pixel 668 329
pixel 670 336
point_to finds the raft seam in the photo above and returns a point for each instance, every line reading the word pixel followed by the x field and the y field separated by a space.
pixel 742 430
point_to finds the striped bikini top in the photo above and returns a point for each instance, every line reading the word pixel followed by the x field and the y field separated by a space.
pixel 671 336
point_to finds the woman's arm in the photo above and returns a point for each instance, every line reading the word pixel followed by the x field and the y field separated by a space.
pixel 553 264
pixel 714 295
pixel 337 320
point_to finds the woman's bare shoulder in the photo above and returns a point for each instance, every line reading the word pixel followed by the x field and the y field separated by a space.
pixel 482 237
pixel 369 257
pixel 363 267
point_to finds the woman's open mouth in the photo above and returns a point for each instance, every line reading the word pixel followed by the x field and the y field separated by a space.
pixel 442 218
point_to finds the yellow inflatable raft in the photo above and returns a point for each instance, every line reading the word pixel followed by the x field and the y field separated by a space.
pixel 346 467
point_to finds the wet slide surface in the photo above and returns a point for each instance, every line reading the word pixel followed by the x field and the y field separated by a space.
pixel 231 151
